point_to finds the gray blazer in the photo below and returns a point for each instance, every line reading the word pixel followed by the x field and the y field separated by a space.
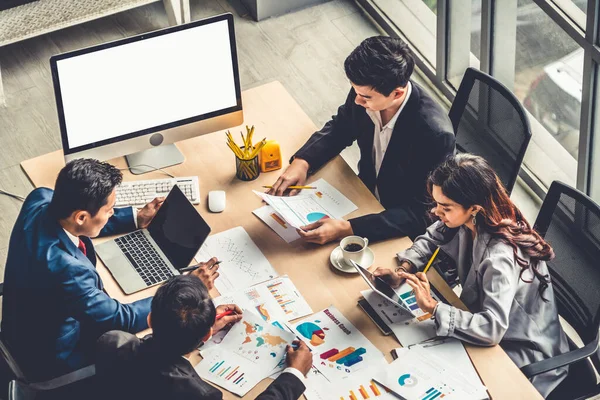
pixel 505 309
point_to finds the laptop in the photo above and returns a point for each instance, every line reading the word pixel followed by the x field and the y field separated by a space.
pixel 150 256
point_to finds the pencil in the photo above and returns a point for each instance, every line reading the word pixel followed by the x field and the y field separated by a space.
pixel 435 253
pixel 293 187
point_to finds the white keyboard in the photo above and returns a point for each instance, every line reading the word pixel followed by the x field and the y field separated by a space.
pixel 140 193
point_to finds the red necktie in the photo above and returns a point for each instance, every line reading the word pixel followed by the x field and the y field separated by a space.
pixel 82 247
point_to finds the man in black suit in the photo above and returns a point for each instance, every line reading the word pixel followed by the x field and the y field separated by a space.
pixel 402 133
pixel 157 367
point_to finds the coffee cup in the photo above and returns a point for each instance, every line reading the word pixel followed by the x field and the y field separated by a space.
pixel 353 249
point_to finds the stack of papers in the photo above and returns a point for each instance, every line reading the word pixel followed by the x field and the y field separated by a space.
pixel 249 353
pixel 286 214
pixel 276 301
pixel 439 369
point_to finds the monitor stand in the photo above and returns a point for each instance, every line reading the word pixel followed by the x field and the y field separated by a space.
pixel 154 158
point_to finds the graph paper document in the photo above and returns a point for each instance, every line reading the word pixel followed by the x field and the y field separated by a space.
pixel 242 262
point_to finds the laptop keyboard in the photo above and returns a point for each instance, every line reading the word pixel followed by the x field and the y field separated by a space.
pixel 146 261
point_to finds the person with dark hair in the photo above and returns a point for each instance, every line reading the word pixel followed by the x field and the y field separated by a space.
pixel 158 366
pixel 501 264
pixel 54 306
pixel 402 133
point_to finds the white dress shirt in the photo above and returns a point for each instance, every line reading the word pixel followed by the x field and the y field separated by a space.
pixel 383 134
pixel 72 237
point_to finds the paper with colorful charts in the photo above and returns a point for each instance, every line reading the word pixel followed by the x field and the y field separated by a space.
pixel 415 375
pixel 359 386
pixel 339 349
pixel 247 354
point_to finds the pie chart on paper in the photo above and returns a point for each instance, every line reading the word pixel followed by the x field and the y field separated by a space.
pixel 407 380
pixel 315 216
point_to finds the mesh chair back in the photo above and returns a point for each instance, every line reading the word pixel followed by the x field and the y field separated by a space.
pixel 489 121
pixel 570 222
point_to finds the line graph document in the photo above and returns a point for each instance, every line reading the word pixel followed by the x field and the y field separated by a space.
pixel 242 262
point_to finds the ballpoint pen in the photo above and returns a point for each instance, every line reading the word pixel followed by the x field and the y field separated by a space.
pixel 193 267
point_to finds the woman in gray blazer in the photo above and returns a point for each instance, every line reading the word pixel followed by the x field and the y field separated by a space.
pixel 501 265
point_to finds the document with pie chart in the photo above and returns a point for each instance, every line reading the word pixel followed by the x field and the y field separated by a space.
pixel 309 206
pixel 415 375
pixel 248 353
pixel 339 349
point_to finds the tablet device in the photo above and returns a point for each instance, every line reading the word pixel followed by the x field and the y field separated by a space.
pixel 381 287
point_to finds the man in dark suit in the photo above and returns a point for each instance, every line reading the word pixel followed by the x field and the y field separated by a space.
pixel 158 367
pixel 402 133
pixel 54 306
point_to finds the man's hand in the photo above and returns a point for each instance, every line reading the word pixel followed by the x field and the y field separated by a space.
pixel 145 215
pixel 207 272
pixel 420 285
pixel 227 320
pixel 325 230
pixel 301 358
pixel 295 174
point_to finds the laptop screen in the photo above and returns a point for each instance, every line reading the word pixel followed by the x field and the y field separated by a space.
pixel 178 229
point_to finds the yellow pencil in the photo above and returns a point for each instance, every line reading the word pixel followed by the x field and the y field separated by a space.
pixel 435 253
pixel 293 187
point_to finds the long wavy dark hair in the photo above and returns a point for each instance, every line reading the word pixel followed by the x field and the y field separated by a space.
pixel 469 180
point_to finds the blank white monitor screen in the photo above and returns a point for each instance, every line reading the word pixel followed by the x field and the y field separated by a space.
pixel 146 83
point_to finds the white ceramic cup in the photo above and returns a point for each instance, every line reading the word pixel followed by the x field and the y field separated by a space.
pixel 357 255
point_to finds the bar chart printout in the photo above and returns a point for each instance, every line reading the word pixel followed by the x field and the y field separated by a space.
pixel 339 349
pixel 360 386
pixel 237 377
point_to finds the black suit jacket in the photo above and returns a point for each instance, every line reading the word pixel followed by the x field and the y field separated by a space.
pixel 129 368
pixel 422 138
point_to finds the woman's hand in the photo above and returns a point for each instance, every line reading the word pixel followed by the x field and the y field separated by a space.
pixel 422 290
pixel 389 276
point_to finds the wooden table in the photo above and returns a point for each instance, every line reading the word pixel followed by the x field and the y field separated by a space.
pixel 277 116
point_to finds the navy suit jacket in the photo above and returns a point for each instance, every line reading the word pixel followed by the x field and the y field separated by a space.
pixel 422 138
pixel 54 306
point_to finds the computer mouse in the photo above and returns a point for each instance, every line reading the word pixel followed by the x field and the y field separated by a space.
pixel 216 201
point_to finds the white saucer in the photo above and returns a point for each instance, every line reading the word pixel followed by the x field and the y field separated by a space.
pixel 338 262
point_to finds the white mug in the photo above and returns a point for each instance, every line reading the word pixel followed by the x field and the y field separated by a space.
pixel 356 255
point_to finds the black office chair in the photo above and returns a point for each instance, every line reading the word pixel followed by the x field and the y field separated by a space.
pixel 489 121
pixel 12 379
pixel 570 222
pixel 74 385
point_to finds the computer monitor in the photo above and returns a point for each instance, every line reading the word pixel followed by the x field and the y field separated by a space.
pixel 138 95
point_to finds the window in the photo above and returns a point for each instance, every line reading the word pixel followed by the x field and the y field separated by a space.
pixel 538 49
pixel 417 20
pixel 467 35
pixel 548 77
pixel 575 10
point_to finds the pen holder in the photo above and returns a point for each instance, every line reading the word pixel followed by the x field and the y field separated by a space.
pixel 247 169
